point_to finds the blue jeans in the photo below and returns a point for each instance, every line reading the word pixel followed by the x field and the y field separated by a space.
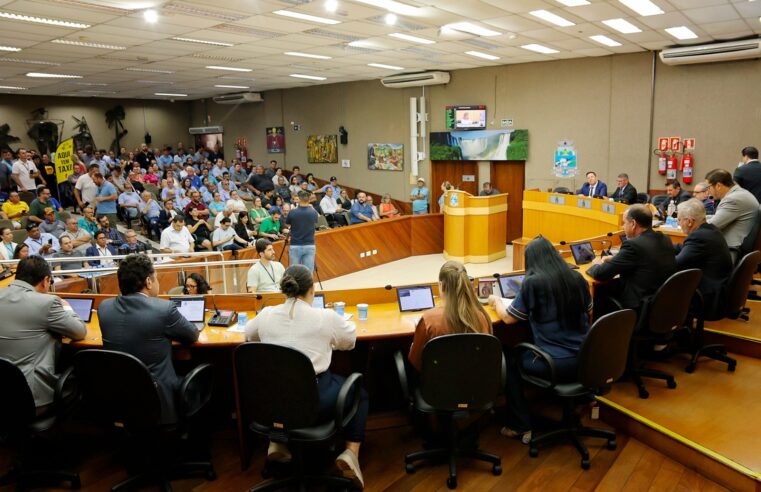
pixel 302 255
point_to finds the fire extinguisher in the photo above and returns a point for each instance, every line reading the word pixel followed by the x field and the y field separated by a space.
pixel 662 163
pixel 671 168
pixel 687 165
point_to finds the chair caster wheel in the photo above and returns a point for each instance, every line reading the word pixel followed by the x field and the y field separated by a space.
pixel 585 464
pixel 409 468
pixel 671 384
pixel 643 393
pixel 496 470
pixel 452 483
pixel 612 444
pixel 533 452
pixel 211 475
pixel 732 366
pixel 690 368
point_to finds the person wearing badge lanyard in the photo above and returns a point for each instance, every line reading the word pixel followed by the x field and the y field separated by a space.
pixel 265 275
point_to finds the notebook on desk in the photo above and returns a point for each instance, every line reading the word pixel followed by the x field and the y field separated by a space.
pixel 82 306
pixel 192 308
pixel 417 298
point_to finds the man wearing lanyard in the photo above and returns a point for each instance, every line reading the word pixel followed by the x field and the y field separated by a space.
pixel 265 276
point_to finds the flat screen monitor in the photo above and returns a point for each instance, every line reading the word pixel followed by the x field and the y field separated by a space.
pixel 486 287
pixel 192 308
pixel 470 117
pixel 510 285
pixel 82 306
pixel 319 301
pixel 582 253
pixel 414 298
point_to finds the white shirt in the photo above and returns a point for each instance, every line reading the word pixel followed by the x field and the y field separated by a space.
pixel 218 220
pixel 328 205
pixel 178 242
pixel 238 205
pixel 296 324
pixel 265 278
pixel 88 190
pixel 104 252
pixel 21 169
pixel 220 234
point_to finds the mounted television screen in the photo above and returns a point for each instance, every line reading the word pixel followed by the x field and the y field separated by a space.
pixel 469 117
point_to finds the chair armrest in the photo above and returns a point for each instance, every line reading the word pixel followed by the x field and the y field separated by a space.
pixel 401 372
pixel 538 353
pixel 196 389
pixel 352 384
pixel 66 392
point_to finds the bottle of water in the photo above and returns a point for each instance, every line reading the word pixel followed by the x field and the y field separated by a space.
pixel 242 320
pixel 671 209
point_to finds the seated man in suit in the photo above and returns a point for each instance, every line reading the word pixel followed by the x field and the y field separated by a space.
pixel 101 249
pixel 701 193
pixel 139 323
pixel 676 195
pixel 704 248
pixel 593 187
pixel 625 193
pixel 737 209
pixel 33 324
pixel 646 259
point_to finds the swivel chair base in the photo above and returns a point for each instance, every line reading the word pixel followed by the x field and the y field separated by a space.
pixel 715 352
pixel 28 476
pixel 163 477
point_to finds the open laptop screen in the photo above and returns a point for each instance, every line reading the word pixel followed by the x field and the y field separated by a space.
pixel 509 285
pixel 82 306
pixel 583 253
pixel 319 301
pixel 192 308
pixel 414 298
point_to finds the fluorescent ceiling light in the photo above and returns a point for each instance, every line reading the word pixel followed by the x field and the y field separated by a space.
pixel 622 26
pixel 331 5
pixel 9 48
pixel 604 40
pixel 485 56
pixel 414 39
pixel 89 45
pixel 39 75
pixel 151 16
pixel 642 7
pixel 539 49
pixel 231 69
pixel 91 84
pixel 306 17
pixel 203 41
pixel 149 70
pixel 573 3
pixel 551 18
pixel 160 82
pixel 471 28
pixel 169 94
pixel 307 55
pixel 387 67
pixel 30 62
pixel 12 88
pixel 390 19
pixel 42 20
pixel 392 6
pixel 681 32
pixel 310 77
pixel 232 86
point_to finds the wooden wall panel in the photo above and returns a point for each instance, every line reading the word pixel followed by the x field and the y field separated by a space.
pixel 427 234
pixel 453 172
pixel 509 177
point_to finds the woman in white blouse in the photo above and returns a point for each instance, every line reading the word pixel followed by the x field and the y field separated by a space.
pixel 316 333
pixel 235 201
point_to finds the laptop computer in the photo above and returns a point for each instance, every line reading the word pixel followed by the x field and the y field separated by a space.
pixel 486 287
pixel 82 306
pixel 414 298
pixel 319 301
pixel 192 308
pixel 509 285
pixel 583 253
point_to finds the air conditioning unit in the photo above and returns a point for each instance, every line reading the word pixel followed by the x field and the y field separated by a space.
pixel 205 130
pixel 240 98
pixel 710 53
pixel 415 79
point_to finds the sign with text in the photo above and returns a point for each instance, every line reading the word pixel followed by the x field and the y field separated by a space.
pixel 676 144
pixel 663 144
pixel 689 144
pixel 64 162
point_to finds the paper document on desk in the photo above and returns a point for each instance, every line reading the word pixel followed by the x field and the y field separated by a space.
pixel 237 328
pixel 506 302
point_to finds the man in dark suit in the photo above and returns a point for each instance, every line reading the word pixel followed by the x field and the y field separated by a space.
pixel 704 248
pixel 676 195
pixel 593 187
pixel 748 175
pixel 102 250
pixel 625 193
pixel 646 259
pixel 139 323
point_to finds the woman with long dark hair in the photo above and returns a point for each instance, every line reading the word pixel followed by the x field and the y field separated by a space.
pixel 460 313
pixel 195 284
pixel 556 303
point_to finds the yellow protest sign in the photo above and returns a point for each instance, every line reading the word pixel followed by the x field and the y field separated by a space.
pixel 64 163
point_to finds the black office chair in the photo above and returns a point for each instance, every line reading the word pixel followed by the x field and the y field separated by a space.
pixel 643 198
pixel 462 374
pixel 118 390
pixel 278 398
pixel 601 361
pixel 24 430
pixel 662 314
pixel 562 189
pixel 738 286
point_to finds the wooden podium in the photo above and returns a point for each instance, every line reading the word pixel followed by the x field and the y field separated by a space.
pixel 475 227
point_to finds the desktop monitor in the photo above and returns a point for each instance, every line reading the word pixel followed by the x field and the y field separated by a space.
pixel 414 298
pixel 509 285
pixel 82 306
pixel 319 301
pixel 583 253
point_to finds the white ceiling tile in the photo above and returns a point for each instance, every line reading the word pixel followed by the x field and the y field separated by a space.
pixel 670 19
pixel 599 11
pixel 722 28
pixel 717 13
pixel 688 4
pixel 514 23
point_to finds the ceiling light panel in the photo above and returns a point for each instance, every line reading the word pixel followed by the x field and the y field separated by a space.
pixel 222 86
pixel 393 6
pixel 170 94
pixel 307 55
pixel 538 48
pixel 89 45
pixel 413 39
pixel 484 56
pixel 231 69
pixel 29 62
pixel 681 32
pixel 309 77
pixel 12 88
pixel 384 66
pixel 38 75
pixel 149 70
pixel 305 17
pixel 470 28
pixel 43 20
pixel 642 7
pixel 203 41
pixel 9 48
pixel 621 25
pixel 196 10
pixel 605 40
pixel 573 3
pixel 548 16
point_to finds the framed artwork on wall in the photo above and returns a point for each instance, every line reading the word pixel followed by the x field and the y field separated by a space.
pixel 322 149
pixel 385 157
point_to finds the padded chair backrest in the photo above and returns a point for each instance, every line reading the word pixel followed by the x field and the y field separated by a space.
pixel 117 387
pixel 176 291
pixel 752 241
pixel 276 385
pixel 602 358
pixel 668 308
pixel 659 200
pixel 17 409
pixel 643 198
pixel 738 284
pixel 19 235
pixel 561 189
pixel 461 371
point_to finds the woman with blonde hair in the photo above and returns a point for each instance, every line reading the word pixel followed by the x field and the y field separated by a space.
pixel 460 313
